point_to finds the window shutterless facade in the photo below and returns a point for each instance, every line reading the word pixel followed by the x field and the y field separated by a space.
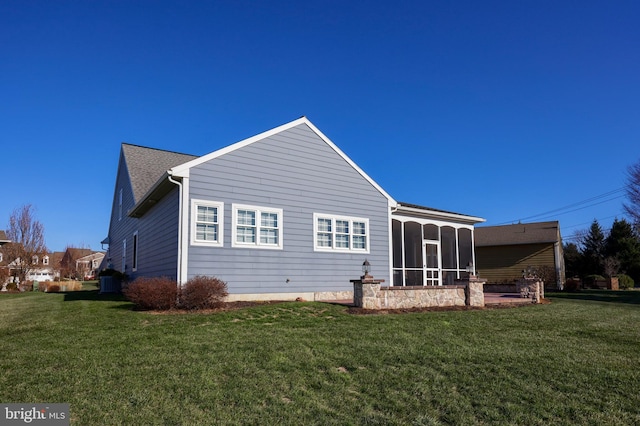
pixel 256 227
pixel 207 223
pixel 340 233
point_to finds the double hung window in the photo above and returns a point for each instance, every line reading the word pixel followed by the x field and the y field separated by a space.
pixel 340 233
pixel 207 223
pixel 258 227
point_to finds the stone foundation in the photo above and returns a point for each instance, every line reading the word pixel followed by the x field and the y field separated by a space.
pixel 332 295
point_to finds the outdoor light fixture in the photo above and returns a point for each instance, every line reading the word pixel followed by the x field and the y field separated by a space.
pixel 366 267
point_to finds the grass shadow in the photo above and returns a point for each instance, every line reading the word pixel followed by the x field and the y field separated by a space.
pixel 607 296
pixel 93 295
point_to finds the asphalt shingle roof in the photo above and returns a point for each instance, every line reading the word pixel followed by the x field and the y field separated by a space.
pixel 521 233
pixel 147 165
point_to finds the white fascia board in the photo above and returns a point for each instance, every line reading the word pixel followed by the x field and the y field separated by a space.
pixel 183 169
pixel 438 214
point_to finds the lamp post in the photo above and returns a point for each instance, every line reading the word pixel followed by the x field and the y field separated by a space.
pixel 366 268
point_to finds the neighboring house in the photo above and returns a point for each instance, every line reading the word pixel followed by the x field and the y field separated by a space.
pixel 43 268
pixel 87 266
pixel 3 238
pixel 4 266
pixel 280 215
pixel 504 252
pixel 80 263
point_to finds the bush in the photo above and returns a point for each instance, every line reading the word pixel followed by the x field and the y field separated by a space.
pixel 53 288
pixel 26 286
pixel 203 292
pixel 591 281
pixel 625 281
pixel 572 284
pixel 158 293
pixel 113 273
pixel 12 287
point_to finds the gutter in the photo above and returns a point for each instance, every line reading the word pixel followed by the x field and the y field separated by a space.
pixel 180 219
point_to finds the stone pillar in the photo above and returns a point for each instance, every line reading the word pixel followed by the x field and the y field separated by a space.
pixel 532 288
pixel 473 290
pixel 613 283
pixel 366 292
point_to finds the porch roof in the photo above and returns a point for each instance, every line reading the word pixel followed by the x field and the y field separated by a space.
pixel 415 210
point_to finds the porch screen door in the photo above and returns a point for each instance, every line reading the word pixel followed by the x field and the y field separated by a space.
pixel 432 275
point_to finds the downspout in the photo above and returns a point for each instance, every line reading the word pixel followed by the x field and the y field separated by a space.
pixel 180 214
pixel 391 212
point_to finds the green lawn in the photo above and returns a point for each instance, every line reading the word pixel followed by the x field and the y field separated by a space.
pixel 574 361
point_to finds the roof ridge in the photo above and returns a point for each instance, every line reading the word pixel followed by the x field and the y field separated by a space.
pixel 158 149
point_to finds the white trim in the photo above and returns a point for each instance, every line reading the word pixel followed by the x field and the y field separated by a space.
pixel 437 215
pixel 135 249
pixel 120 204
pixel 124 256
pixel 183 242
pixel 183 169
pixel 259 210
pixel 195 203
pixel 333 248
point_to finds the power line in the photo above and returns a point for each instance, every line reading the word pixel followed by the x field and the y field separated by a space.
pixel 582 205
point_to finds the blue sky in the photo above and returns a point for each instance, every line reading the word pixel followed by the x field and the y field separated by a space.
pixel 498 109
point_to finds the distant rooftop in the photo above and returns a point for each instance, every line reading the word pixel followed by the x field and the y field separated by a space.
pixel 521 233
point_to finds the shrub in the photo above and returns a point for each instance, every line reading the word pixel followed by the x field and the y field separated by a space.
pixel 26 286
pixel 203 292
pixel 113 273
pixel 592 280
pixel 625 281
pixel 572 284
pixel 159 293
pixel 72 285
pixel 12 287
pixel 53 288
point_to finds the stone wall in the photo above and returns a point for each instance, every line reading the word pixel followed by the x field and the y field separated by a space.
pixel 369 294
pixel 531 288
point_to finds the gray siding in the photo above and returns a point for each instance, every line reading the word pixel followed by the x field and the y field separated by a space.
pixel 157 232
pixel 298 172
pixel 158 239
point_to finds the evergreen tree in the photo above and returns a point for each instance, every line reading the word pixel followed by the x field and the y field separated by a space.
pixel 623 243
pixel 632 208
pixel 593 252
pixel 572 260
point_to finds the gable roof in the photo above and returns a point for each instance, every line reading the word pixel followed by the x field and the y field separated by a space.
pixel 183 169
pixel 3 238
pixel 152 181
pixel 521 233
pixel 147 165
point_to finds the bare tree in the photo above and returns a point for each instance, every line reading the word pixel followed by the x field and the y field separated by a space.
pixel 632 208
pixel 27 247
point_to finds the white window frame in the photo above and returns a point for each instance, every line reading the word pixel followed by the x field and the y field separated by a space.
pixel 258 211
pixel 45 260
pixel 136 246
pixel 194 223
pixel 334 232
